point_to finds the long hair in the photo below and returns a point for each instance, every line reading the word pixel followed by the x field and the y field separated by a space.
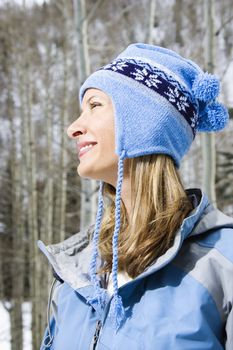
pixel 159 204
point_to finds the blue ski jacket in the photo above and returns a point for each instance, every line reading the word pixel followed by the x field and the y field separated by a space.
pixel 182 301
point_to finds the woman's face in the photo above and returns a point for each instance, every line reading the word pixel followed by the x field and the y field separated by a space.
pixel 96 124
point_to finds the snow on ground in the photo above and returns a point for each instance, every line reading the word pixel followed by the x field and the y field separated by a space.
pixel 27 334
pixel 5 327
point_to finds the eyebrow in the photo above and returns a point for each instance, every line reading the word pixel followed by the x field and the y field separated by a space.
pixel 90 99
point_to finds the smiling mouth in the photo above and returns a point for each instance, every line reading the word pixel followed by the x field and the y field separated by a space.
pixel 84 151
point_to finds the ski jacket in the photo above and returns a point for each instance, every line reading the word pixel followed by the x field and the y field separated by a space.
pixel 182 301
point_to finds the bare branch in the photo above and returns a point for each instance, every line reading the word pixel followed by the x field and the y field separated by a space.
pixel 223 26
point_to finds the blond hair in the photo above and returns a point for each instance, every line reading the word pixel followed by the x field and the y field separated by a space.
pixel 159 205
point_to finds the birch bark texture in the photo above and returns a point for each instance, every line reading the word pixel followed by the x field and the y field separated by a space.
pixel 89 188
pixel 31 185
pixel 18 247
pixel 208 139
pixel 151 21
pixel 47 195
pixel 64 122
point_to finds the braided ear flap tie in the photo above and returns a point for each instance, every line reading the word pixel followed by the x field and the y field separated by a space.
pixel 100 294
pixel 117 312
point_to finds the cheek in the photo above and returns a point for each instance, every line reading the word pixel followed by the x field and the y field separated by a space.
pixel 110 143
pixel 108 148
pixel 107 138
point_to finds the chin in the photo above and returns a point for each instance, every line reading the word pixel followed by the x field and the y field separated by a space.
pixel 84 174
pixel 87 174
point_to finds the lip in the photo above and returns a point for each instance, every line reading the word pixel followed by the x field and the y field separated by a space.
pixel 82 144
pixel 81 154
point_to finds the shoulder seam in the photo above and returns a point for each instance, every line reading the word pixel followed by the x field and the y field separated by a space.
pixel 209 247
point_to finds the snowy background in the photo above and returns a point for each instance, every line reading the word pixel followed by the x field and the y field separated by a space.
pixel 44 36
pixel 5 327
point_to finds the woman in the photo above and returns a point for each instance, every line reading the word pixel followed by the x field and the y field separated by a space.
pixel 155 271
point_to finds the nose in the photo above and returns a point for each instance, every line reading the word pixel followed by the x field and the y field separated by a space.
pixel 75 130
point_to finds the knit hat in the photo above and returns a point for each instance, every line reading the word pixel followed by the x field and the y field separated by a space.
pixel 160 101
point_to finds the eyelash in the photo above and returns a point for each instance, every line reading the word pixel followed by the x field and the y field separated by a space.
pixel 94 104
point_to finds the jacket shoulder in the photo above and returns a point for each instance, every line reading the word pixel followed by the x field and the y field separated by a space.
pixel 220 239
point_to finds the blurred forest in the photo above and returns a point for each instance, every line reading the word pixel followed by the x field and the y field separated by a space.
pixel 46 51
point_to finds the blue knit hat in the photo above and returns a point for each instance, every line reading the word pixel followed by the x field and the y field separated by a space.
pixel 160 101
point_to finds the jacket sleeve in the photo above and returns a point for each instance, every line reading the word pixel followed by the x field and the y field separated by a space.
pixel 47 342
pixel 50 331
pixel 229 331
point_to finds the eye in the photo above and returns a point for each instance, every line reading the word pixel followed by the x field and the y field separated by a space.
pixel 94 104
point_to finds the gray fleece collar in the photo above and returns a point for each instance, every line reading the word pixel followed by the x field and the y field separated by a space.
pixel 70 259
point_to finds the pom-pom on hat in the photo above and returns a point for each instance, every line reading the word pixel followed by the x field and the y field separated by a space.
pixel 160 101
pixel 156 91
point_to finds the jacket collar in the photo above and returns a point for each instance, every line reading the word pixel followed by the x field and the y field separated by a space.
pixel 70 259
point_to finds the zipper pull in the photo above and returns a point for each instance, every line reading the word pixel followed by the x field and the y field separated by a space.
pixel 96 335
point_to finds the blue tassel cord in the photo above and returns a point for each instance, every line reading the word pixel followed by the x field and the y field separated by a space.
pixel 117 312
pixel 100 295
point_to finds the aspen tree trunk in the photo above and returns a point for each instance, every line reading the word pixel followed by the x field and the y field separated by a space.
pixel 18 254
pixel 193 18
pixel 33 216
pixel 208 139
pixel 16 325
pixel 17 273
pixel 89 192
pixel 178 20
pixel 30 161
pixel 18 228
pixel 151 21
pixel 47 209
pixel 47 230
pixel 26 160
pixel 64 122
pixel 25 177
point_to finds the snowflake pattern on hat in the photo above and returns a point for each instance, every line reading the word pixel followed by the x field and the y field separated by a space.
pixel 180 100
pixel 160 82
pixel 145 76
pixel 116 65
pixel 194 119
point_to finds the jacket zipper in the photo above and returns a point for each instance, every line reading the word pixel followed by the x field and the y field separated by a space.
pixel 96 335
